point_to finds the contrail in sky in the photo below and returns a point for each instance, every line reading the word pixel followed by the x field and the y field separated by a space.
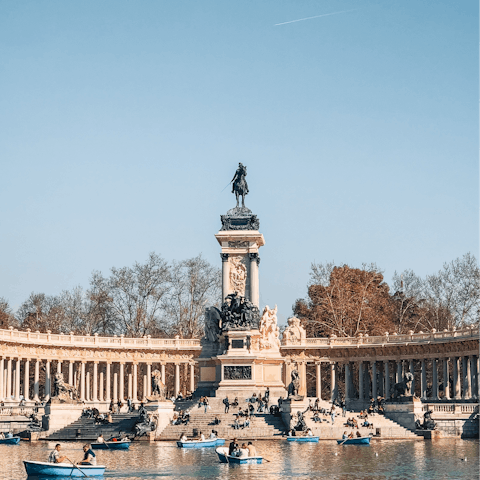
pixel 316 16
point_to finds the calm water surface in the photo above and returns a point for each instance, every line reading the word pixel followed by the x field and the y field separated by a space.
pixel 396 460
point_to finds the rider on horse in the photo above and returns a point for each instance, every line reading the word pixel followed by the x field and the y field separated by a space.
pixel 239 184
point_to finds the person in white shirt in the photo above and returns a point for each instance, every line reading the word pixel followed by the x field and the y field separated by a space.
pixel 183 438
pixel 202 437
pixel 243 452
pixel 100 439
pixel 309 433
pixel 212 435
pixel 54 456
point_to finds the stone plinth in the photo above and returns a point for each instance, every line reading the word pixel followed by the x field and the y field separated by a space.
pixel 162 411
pixel 59 415
pixel 289 409
pixel 405 412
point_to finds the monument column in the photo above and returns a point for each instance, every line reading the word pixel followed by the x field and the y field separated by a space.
pixel 347 381
pixel 318 380
pixel 302 371
pixel 101 386
pixel 107 382
pixel 360 381
pixel 333 381
pixel 121 393
pixel 162 371
pixel 177 379
pixel 59 366
pixel 446 380
pixel 399 371
pixel 423 383
pixel 9 380
pixel 149 379
pixel 412 371
pixel 374 380
pixel 95 382
pixel 135 380
pixel 468 383
pixel 36 380
pixel 225 275
pixel 70 372
pixel 82 381
pixel 115 387
pixel 2 385
pixel 456 378
pixel 434 379
pixel 387 379
pixel 48 387
pixel 26 380
pixel 17 380
pixel 254 287
pixel 192 377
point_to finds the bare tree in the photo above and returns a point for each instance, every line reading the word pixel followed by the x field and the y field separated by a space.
pixel 195 285
pixel 40 312
pixel 7 318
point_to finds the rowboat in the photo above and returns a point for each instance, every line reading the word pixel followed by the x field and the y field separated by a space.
pixel 62 469
pixel 224 457
pixel 355 441
pixel 111 445
pixel 10 441
pixel 303 439
pixel 215 442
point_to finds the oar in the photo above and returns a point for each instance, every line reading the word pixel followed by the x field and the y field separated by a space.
pixel 344 441
pixel 79 469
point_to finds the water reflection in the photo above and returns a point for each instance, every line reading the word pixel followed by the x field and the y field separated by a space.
pixel 383 460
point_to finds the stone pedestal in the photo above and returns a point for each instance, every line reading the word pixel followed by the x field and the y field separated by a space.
pixel 289 409
pixel 59 415
pixel 405 412
pixel 163 413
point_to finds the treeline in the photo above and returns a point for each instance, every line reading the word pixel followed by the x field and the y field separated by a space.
pixel 154 298
pixel 345 301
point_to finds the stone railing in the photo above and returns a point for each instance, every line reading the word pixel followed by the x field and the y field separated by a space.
pixel 16 411
pixel 91 341
pixel 387 339
pixel 465 408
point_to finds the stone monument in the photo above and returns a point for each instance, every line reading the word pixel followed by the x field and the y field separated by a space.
pixel 240 350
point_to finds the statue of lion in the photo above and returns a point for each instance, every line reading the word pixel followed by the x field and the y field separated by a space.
pixel 63 391
pixel 294 386
pixel 403 388
pixel 158 387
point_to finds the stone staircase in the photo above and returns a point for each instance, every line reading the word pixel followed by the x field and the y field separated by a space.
pixel 262 425
pixel 86 429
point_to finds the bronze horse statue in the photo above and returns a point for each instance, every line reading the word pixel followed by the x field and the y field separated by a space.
pixel 240 187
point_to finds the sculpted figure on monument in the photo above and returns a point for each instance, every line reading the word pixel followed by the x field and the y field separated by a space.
pixel 62 391
pixel 238 313
pixel 158 387
pixel 294 386
pixel 212 324
pixel 269 329
pixel 428 422
pixel 239 184
pixel 294 333
pixel 403 388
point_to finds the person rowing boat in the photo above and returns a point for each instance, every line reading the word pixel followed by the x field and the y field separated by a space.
pixel 55 457
pixel 89 457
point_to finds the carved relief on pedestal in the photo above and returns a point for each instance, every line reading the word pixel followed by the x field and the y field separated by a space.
pixel 294 333
pixel 238 274
pixel 269 330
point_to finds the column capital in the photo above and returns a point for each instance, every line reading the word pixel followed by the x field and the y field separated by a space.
pixel 96 362
pixel 224 257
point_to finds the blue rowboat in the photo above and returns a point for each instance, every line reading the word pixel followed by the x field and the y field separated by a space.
pixel 10 441
pixel 355 441
pixel 199 444
pixel 111 445
pixel 62 469
pixel 303 439
pixel 224 457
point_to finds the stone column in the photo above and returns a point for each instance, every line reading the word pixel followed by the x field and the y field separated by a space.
pixel 26 380
pixel 135 381
pixel 254 288
pixel 463 372
pixel 82 381
pixel 149 379
pixel 108 398
pixel 468 383
pixel 59 366
pixel 121 393
pixel 100 390
pixel 374 380
pixel 87 389
pixel 360 381
pixel 48 380
pixel 2 383
pixel 9 380
pixel 162 371
pixel 386 374
pixel 318 380
pixel 399 371
pixel 95 382
pixel 446 379
pixel 177 379
pixel 70 372
pixel 477 373
pixel 302 370
pixel 347 381
pixel 36 384
pixel 456 378
pixel 412 371
pixel 423 383
pixel 129 389
pixel 17 380
pixel 333 381
pixel 115 387
pixel 225 276
pixel 434 379
pixel 192 377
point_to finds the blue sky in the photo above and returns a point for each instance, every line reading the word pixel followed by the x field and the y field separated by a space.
pixel 121 122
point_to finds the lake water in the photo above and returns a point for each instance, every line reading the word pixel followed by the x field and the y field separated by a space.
pixel 396 460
